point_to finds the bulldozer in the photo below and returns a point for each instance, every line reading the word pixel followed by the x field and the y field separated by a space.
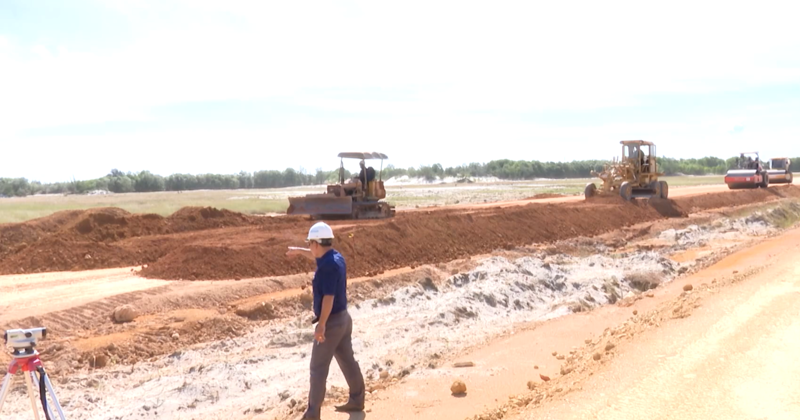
pixel 780 171
pixel 634 175
pixel 356 198
pixel 749 173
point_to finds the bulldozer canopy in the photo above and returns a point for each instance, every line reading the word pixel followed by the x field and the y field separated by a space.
pixel 362 155
pixel 639 142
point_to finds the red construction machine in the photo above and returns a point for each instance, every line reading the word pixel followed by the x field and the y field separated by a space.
pixel 750 173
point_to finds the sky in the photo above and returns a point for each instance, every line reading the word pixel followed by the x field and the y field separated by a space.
pixel 193 86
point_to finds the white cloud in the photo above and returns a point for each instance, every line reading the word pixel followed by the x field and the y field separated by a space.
pixel 449 58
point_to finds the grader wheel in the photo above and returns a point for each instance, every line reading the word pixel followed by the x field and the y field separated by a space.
pixel 663 189
pixel 590 191
pixel 655 186
pixel 626 191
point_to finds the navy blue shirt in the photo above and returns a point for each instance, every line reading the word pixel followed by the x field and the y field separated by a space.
pixel 330 279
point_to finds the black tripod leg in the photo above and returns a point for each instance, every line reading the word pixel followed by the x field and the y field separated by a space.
pixel 44 387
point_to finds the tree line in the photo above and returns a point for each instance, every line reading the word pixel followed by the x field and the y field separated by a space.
pixel 123 182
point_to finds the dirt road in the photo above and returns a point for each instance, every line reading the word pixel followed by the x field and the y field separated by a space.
pixel 38 294
pixel 735 356
pixel 673 193
pixel 240 347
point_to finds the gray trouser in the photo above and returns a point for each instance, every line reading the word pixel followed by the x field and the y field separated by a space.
pixel 338 344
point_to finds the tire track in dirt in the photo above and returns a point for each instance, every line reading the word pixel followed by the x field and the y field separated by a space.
pixel 88 316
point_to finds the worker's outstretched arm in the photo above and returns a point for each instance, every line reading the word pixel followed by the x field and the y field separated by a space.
pixel 304 252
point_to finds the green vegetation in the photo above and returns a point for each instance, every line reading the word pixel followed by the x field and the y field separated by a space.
pixel 145 181
pixel 783 216
pixel 261 201
pixel 20 209
pixel 118 182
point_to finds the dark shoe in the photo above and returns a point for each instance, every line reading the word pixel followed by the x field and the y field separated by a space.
pixel 350 407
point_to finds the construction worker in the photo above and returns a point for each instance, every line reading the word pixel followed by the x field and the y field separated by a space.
pixel 332 336
pixel 366 175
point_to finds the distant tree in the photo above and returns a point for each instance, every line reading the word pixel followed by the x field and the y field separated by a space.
pixel 120 184
pixel 148 182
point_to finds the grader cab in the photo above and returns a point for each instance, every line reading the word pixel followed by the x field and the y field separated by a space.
pixel 634 175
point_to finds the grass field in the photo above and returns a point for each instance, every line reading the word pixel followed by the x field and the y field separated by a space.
pixel 275 200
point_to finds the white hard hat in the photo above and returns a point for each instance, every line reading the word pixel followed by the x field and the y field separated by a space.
pixel 320 230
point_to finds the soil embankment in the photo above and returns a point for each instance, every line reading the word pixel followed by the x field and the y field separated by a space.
pixel 209 244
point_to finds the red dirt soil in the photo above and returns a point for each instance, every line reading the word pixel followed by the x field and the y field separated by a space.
pixel 546 195
pixel 207 244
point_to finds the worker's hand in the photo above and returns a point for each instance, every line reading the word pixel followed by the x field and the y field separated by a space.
pixel 319 333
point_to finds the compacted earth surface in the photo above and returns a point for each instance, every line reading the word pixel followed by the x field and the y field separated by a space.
pixel 534 305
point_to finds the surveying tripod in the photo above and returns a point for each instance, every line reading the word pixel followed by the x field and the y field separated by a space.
pixel 26 360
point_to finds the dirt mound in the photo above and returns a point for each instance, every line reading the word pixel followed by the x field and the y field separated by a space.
pixel 200 218
pixel 103 237
pixel 201 243
pixel 408 240
pixel 17 236
pixel 606 198
pixel 667 208
pixel 709 201
pixel 209 259
pixel 543 196
pixel 56 254
pixel 112 224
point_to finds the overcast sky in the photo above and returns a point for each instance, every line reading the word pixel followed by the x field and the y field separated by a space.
pixel 221 86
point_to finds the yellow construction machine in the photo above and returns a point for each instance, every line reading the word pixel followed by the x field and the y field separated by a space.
pixel 356 198
pixel 634 175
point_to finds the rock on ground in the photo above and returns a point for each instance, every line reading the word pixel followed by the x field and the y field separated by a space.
pixel 458 387
pixel 125 313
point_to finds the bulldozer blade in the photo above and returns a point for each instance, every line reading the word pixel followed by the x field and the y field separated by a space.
pixel 320 205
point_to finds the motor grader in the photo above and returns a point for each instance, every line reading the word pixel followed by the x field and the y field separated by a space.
pixel 356 198
pixel 634 175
